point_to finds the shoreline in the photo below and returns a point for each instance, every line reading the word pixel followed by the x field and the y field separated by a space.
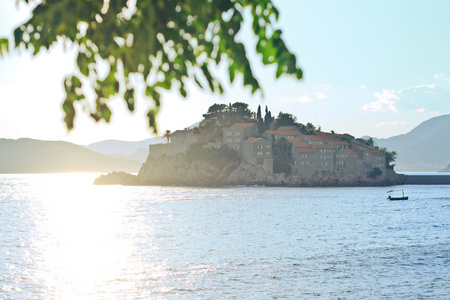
pixel 427 179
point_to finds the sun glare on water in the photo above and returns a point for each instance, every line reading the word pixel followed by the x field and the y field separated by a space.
pixel 82 239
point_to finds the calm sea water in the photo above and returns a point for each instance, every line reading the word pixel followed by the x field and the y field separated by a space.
pixel 63 238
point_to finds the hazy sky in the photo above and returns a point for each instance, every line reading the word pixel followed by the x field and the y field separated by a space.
pixel 375 68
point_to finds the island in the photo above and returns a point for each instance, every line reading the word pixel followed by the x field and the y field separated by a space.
pixel 235 146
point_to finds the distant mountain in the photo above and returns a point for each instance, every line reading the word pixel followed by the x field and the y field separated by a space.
pixel 140 156
pixel 137 150
pixel 425 148
pixel 36 156
pixel 116 147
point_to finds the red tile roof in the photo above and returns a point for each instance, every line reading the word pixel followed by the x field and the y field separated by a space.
pixel 254 140
pixel 362 148
pixel 325 135
pixel 376 153
pixel 285 133
pixel 243 125
pixel 323 147
pixel 179 131
pixel 299 144
pixel 305 150
pixel 315 138
pixel 350 152
pixel 344 143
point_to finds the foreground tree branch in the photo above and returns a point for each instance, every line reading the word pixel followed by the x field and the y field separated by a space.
pixel 163 43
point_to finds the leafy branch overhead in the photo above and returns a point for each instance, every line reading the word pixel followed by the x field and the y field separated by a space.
pixel 161 43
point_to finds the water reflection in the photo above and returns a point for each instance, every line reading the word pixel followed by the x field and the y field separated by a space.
pixel 61 241
pixel 83 239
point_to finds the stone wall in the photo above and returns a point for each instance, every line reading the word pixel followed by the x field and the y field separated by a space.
pixel 158 150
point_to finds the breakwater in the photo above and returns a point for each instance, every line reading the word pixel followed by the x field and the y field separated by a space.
pixel 427 179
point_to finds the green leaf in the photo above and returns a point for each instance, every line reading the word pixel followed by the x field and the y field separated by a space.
pixel 69 113
pixel 83 64
pixel 106 112
pixel 129 99
pixel 18 36
pixel 198 82
pixel 151 116
pixel 4 46
pixel 183 90
pixel 208 76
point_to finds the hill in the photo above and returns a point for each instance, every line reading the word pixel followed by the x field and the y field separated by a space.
pixel 36 156
pixel 425 148
pixel 117 147
pixel 137 150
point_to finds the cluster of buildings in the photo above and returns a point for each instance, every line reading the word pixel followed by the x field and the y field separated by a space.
pixel 309 153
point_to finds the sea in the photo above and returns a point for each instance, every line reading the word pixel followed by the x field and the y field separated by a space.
pixel 61 237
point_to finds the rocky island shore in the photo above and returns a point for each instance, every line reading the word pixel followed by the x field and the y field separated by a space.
pixel 175 171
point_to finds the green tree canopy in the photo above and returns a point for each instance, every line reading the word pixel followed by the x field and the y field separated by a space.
pixel 268 119
pixel 285 119
pixel 371 142
pixel 310 128
pixel 214 110
pixel 161 44
pixel 391 156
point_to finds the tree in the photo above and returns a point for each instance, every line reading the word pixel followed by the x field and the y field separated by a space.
pixel 282 154
pixel 285 119
pixel 258 113
pixel 167 135
pixel 268 119
pixel 260 121
pixel 158 44
pixel 215 109
pixel 375 173
pixel 310 128
pixel 371 142
pixel 239 113
pixel 391 156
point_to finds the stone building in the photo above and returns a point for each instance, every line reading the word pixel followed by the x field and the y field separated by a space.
pixel 235 135
pixel 258 151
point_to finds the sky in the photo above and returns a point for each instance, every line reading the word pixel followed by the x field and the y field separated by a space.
pixel 371 68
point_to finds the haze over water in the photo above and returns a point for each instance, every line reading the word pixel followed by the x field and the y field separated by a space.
pixel 63 238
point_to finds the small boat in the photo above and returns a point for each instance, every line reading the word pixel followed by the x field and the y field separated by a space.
pixel 403 197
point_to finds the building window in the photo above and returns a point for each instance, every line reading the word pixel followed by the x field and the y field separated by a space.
pixel 229 140
pixel 267 153
pixel 237 133
pixel 304 155
pixel 235 147
pixel 267 146
pixel 237 140
pixel 259 153
pixel 229 133
pixel 260 146
pixel 324 163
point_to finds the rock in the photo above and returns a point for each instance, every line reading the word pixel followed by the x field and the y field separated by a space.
pixel 175 170
pixel 116 178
